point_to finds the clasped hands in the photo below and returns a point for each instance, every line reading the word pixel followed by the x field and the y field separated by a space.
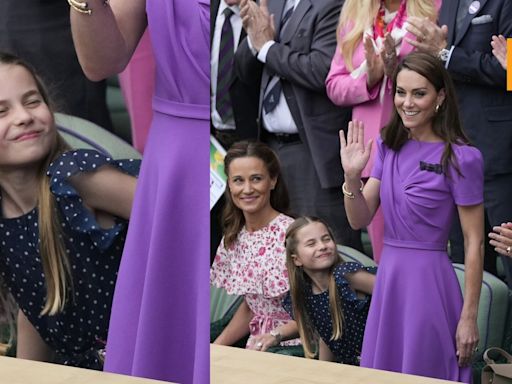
pixel 257 22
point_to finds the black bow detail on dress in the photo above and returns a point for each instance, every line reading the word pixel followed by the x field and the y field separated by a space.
pixel 437 168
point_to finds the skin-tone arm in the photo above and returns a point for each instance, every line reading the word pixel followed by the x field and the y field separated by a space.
pixel 30 345
pixel 361 281
pixel 238 327
pixel 471 219
pixel 288 331
pixel 106 39
pixel 354 156
pixel 501 238
pixel 499 49
pixel 107 190
pixel 324 353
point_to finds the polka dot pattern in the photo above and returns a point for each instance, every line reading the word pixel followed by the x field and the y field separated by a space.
pixel 94 253
pixel 355 311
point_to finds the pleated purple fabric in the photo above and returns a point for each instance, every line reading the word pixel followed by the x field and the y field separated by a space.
pixel 160 325
pixel 417 300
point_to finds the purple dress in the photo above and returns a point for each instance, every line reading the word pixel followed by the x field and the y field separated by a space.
pixel 417 300
pixel 159 326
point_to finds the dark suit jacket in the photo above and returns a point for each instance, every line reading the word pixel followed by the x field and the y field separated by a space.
pixel 302 59
pixel 485 105
pixel 244 97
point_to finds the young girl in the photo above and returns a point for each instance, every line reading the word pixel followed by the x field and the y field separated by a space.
pixel 63 220
pixel 326 294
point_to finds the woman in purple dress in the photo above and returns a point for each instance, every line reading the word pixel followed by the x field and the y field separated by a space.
pixel 424 170
pixel 159 327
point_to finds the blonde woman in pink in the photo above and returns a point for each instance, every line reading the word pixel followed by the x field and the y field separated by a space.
pixel 372 39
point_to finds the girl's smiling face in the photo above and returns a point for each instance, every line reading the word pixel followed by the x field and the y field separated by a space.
pixel 316 249
pixel 27 128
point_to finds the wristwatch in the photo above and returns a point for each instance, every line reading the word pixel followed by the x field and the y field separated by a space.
pixel 276 334
pixel 444 54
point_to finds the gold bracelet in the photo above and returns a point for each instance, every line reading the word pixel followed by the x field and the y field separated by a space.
pixel 83 7
pixel 351 195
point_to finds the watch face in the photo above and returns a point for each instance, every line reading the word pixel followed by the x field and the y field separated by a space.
pixel 444 54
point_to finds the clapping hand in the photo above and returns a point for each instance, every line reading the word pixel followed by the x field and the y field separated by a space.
pixel 258 22
pixel 353 152
pixel 388 55
pixel 430 37
pixel 499 49
pixel 374 62
pixel 501 239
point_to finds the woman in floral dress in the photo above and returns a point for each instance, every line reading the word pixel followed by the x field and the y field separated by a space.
pixel 251 258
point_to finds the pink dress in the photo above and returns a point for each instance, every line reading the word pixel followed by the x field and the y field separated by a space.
pixel 255 266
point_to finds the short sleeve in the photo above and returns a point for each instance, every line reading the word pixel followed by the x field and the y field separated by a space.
pixel 79 218
pixel 347 294
pixel 468 187
pixel 379 159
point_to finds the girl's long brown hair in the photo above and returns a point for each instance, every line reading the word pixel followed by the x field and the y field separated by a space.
pixel 52 249
pixel 300 282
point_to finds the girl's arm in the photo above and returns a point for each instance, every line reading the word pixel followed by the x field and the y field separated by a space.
pixel 286 331
pixel 324 353
pixel 30 345
pixel 106 39
pixel 471 219
pixel 361 281
pixel 238 327
pixel 106 190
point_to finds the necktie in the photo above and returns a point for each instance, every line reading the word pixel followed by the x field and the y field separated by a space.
pixel 224 72
pixel 271 98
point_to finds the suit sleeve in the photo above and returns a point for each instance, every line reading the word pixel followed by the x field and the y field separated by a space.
pixel 475 62
pixel 309 69
pixel 248 68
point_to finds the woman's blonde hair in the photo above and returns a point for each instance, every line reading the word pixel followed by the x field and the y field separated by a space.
pixel 358 15
pixel 52 249
pixel 300 282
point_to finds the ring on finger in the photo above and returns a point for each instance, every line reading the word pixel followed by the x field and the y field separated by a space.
pixel 259 344
pixel 509 249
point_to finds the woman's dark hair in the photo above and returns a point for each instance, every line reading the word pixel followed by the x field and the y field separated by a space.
pixel 232 217
pixel 445 122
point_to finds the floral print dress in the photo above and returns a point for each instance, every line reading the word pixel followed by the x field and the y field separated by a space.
pixel 255 266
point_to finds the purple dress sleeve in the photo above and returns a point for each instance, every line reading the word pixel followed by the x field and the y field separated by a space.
pixel 379 159
pixel 468 187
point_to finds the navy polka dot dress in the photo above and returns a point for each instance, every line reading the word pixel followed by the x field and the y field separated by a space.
pixel 77 333
pixel 355 311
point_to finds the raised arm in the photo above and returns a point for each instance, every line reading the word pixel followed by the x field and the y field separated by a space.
pixel 360 203
pixel 105 39
pixel 471 219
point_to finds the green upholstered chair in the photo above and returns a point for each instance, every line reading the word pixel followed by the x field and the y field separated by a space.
pixel 353 255
pixel 80 133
